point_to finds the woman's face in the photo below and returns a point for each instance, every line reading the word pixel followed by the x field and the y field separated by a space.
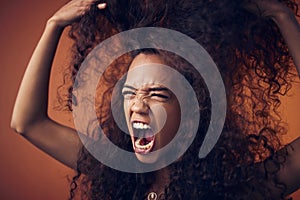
pixel 152 111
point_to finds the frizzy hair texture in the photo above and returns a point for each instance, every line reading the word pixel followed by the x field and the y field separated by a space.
pixel 256 68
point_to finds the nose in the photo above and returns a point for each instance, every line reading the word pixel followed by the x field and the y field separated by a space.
pixel 140 105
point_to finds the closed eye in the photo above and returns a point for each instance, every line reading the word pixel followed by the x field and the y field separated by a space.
pixel 159 95
pixel 128 94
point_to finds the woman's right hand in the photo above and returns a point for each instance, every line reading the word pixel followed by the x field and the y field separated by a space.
pixel 72 11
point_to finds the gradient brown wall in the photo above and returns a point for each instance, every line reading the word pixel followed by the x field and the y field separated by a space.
pixel 25 171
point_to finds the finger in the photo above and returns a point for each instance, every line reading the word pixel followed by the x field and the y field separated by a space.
pixel 101 6
pixel 253 7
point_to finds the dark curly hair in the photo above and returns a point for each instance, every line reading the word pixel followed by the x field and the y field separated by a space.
pixel 257 69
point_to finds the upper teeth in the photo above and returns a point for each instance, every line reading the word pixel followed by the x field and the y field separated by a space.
pixel 139 125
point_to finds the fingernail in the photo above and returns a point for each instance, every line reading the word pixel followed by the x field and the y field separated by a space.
pixel 101 5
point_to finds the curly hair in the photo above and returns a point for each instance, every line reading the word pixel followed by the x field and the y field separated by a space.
pixel 257 69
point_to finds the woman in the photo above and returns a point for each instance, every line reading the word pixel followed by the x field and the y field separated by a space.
pixel 248 161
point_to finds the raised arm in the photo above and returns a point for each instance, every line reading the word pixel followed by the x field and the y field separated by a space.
pixel 290 30
pixel 289 172
pixel 30 117
pixel 285 20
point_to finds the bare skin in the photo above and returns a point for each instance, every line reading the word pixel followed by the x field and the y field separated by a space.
pixel 285 20
pixel 30 117
pixel 290 30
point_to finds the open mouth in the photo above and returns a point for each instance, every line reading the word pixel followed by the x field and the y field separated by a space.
pixel 144 137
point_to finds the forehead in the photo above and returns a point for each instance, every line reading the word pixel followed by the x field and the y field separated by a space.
pixel 146 70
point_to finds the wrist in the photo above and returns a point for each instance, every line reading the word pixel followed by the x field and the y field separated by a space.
pixel 53 28
pixel 54 23
pixel 280 16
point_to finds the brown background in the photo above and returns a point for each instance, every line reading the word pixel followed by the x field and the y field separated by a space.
pixel 25 171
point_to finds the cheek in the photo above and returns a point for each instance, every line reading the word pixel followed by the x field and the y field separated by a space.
pixel 126 106
pixel 173 119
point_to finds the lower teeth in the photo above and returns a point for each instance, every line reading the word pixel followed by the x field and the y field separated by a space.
pixel 143 147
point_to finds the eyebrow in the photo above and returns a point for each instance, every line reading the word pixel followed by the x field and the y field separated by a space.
pixel 158 89
pixel 149 89
pixel 130 87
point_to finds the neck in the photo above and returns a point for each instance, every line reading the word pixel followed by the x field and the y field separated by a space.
pixel 162 179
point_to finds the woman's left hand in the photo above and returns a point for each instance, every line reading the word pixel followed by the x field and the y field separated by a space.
pixel 285 20
pixel 267 8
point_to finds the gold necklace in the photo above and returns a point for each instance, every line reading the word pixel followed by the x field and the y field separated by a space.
pixel 152 196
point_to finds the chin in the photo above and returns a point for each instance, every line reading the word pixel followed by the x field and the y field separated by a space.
pixel 147 158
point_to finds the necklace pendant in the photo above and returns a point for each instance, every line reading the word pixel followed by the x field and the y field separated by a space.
pixel 152 196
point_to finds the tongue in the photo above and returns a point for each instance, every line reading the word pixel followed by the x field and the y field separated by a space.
pixel 144 141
